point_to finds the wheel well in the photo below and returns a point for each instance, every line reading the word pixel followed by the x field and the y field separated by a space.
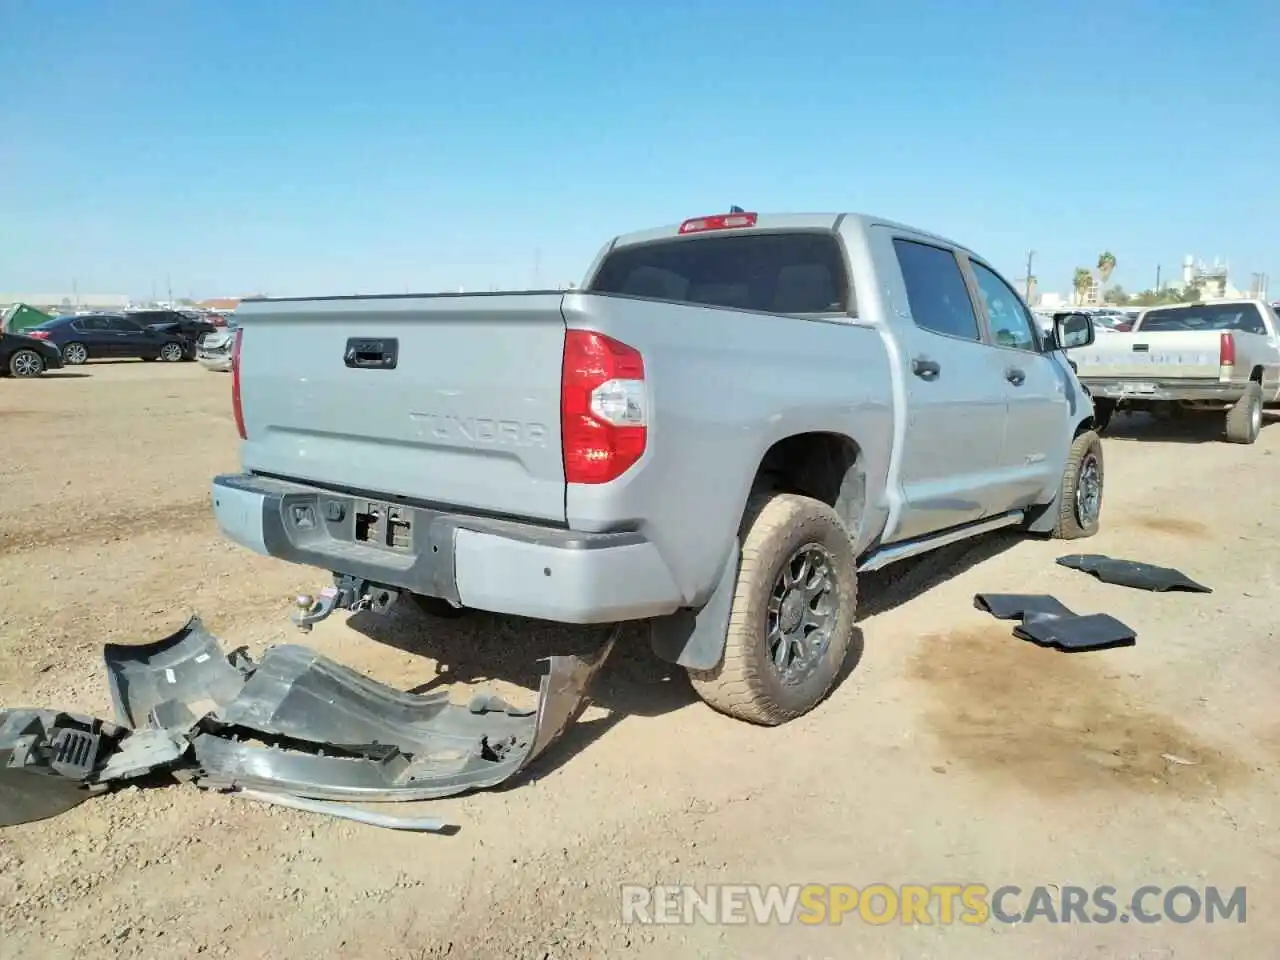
pixel 1256 374
pixel 825 466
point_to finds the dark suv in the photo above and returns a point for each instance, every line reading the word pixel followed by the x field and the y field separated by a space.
pixel 189 325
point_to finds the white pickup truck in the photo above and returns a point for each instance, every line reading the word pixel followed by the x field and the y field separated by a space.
pixel 1223 355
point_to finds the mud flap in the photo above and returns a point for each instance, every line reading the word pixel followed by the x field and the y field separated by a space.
pixel 694 639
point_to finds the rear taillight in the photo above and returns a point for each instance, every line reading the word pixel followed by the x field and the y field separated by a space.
pixel 236 409
pixel 1123 327
pixel 37 334
pixel 1227 350
pixel 721 221
pixel 603 407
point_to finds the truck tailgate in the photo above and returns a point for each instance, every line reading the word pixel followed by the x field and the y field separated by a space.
pixel 467 416
pixel 1159 355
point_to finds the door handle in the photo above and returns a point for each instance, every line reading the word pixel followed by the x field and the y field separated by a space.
pixel 1015 376
pixel 924 368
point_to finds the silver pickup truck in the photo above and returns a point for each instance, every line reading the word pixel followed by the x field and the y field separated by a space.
pixel 1223 356
pixel 732 418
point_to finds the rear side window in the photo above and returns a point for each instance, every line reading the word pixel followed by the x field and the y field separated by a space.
pixel 936 291
pixel 1218 316
pixel 770 272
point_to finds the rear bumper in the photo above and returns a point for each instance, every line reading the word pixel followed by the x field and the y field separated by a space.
pixel 1110 388
pixel 497 565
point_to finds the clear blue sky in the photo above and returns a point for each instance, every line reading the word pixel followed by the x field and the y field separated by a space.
pixel 327 147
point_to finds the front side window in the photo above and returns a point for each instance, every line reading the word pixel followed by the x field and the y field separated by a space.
pixel 1011 324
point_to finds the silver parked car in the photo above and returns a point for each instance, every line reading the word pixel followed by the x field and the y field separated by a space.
pixel 215 348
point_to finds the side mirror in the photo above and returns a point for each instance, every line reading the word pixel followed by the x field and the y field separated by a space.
pixel 1072 331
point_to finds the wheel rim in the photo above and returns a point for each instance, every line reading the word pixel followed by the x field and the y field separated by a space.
pixel 26 364
pixel 75 353
pixel 1255 418
pixel 801 614
pixel 171 352
pixel 1089 492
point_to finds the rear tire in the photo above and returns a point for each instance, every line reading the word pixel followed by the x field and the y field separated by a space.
pixel 1244 420
pixel 171 352
pixel 785 535
pixel 25 364
pixel 1080 496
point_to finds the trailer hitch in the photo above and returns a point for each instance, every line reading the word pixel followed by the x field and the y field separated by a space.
pixel 347 593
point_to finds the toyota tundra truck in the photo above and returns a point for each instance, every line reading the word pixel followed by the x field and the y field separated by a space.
pixel 731 419
pixel 1220 357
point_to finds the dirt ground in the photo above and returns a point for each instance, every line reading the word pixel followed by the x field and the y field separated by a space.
pixel 951 753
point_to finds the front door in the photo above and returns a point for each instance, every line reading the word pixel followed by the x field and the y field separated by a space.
pixel 955 396
pixel 1035 384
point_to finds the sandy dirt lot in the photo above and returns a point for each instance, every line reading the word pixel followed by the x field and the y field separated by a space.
pixel 952 753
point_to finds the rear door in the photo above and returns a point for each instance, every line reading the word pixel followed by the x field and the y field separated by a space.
pixel 1034 385
pixel 131 339
pixel 451 400
pixel 956 403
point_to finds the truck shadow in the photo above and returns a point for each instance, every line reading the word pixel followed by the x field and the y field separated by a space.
pixel 480 648
pixel 904 581
pixel 1188 428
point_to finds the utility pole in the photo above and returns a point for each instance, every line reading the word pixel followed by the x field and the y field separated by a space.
pixel 1157 278
pixel 1027 294
pixel 168 282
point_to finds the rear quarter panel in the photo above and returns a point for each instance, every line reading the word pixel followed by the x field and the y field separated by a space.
pixel 724 386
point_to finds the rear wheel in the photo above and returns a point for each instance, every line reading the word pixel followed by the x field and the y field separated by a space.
pixel 171 352
pixel 1103 411
pixel 26 364
pixel 1244 420
pixel 792 619
pixel 1080 499
pixel 75 353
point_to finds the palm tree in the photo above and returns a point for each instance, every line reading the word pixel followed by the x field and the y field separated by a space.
pixel 1106 266
pixel 1081 281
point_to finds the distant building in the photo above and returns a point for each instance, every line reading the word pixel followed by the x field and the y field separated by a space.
pixel 66 302
pixel 219 303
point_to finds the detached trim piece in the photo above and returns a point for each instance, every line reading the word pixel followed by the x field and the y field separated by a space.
pixel 295 729
pixel 1047 622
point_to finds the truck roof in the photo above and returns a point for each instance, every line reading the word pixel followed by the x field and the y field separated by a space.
pixel 1213 302
pixel 784 221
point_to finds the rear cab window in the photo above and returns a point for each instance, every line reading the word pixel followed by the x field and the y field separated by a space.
pixel 1243 317
pixel 791 272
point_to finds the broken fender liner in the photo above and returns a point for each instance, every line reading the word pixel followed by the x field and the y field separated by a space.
pixel 1131 573
pixel 51 761
pixel 300 723
pixel 1046 621
pixel 297 725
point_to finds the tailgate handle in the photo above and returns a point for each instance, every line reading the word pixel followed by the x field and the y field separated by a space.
pixel 1142 348
pixel 372 354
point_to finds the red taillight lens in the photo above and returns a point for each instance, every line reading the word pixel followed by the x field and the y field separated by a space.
pixel 1123 327
pixel 236 409
pixel 1227 350
pixel 37 334
pixel 723 221
pixel 603 407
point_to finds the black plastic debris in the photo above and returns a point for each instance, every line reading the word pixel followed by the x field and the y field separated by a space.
pixel 1048 622
pixel 1132 573
pixel 295 729
pixel 48 760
